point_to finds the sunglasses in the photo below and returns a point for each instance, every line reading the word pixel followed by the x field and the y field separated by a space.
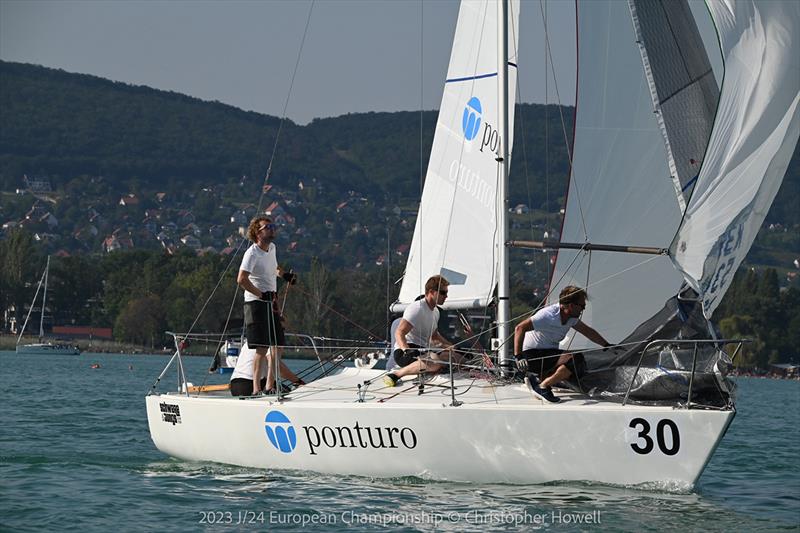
pixel 268 226
pixel 443 293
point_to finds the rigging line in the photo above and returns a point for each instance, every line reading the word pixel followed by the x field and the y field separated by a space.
pixel 214 291
pixel 269 169
pixel 637 265
pixel 561 115
pixel 421 89
pixel 334 311
pixel 224 330
pixel 525 151
pixel 288 96
pixel 549 292
pixel 33 304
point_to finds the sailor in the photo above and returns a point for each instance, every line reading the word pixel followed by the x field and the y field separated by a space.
pixel 262 320
pixel 536 341
pixel 417 331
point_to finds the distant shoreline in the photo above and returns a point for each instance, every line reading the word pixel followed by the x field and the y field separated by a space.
pixel 9 343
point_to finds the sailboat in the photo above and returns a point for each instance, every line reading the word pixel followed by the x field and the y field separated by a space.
pixel 42 347
pixel 671 178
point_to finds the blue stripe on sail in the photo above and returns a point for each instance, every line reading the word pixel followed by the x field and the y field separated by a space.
pixel 690 183
pixel 477 77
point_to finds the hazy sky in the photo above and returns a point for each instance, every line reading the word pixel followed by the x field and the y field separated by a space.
pixel 360 55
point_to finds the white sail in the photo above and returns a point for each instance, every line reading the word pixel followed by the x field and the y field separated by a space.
pixel 754 135
pixel 456 232
pixel 621 190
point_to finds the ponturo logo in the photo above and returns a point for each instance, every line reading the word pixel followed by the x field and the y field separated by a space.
pixel 471 120
pixel 282 435
pixel 280 431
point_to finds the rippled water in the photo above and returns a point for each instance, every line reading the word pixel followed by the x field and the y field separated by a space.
pixel 75 454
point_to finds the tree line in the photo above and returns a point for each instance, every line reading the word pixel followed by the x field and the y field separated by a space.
pixel 143 294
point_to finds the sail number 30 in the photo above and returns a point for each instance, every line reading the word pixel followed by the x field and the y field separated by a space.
pixel 644 444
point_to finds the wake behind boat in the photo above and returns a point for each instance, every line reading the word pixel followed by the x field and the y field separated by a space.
pixel 671 178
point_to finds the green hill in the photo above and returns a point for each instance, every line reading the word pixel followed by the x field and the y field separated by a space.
pixel 64 125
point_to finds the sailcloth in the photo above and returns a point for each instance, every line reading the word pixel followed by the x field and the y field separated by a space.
pixel 754 135
pixel 456 232
pixel 621 190
pixel 725 173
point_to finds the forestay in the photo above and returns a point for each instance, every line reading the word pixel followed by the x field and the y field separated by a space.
pixel 456 232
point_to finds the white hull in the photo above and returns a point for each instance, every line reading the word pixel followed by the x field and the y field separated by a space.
pixel 47 348
pixel 498 435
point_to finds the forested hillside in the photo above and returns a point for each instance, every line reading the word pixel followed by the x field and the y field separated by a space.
pixel 146 191
pixel 64 126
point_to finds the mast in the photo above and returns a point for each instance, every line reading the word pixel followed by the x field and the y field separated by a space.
pixel 503 304
pixel 44 300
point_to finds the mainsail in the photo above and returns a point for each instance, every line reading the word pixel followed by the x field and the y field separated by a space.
pixel 456 232
pixel 754 135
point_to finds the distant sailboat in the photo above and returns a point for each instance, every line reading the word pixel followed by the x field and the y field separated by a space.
pixel 42 347
pixel 675 197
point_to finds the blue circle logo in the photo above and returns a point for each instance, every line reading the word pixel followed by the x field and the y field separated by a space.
pixel 280 431
pixel 471 120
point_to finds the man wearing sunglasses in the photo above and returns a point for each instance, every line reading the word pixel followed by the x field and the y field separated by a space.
pixel 536 341
pixel 257 277
pixel 418 330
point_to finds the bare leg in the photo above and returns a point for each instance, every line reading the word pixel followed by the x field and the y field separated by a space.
pixel 261 353
pixel 285 373
pixel 562 373
pixel 270 369
pixel 417 367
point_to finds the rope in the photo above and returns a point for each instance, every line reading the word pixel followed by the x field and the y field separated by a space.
pixel 334 311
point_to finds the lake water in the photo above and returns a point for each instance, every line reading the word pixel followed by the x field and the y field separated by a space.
pixel 76 454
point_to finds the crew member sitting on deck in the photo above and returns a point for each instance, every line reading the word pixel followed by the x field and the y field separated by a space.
pixel 417 331
pixel 542 334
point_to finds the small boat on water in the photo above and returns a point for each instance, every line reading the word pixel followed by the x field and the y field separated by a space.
pixel 227 355
pixel 42 347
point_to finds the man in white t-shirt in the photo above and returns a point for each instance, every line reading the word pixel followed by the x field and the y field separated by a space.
pixel 537 338
pixel 257 277
pixel 418 331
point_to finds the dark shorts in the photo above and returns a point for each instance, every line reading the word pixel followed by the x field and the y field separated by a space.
pixel 244 387
pixel 401 358
pixel 545 361
pixel 261 325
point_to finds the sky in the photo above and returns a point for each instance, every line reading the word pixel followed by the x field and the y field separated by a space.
pixel 358 56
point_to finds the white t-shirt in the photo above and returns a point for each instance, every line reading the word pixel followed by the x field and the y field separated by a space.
pixel 424 319
pixel 548 331
pixel 244 364
pixel 263 269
